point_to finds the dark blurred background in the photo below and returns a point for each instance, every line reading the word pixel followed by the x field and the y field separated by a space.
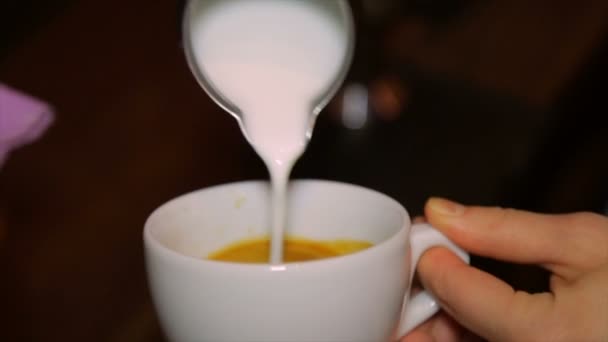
pixel 487 102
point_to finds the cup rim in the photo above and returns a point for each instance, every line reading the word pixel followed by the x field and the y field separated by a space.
pixel 152 245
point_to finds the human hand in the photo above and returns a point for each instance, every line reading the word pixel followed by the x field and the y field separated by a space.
pixel 573 247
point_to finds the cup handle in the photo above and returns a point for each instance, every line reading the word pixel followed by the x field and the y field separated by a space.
pixel 423 305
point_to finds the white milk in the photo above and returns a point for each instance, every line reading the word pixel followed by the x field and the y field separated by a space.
pixel 272 59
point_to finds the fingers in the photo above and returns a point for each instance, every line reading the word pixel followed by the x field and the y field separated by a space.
pixel 440 328
pixel 571 246
pixel 418 335
pixel 479 301
pixel 445 329
pixel 507 234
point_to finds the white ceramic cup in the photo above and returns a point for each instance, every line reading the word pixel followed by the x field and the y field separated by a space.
pixel 357 297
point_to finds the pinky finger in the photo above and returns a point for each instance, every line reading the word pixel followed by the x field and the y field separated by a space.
pixel 439 328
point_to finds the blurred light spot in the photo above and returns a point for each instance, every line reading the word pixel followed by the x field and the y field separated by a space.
pixel 389 98
pixel 355 106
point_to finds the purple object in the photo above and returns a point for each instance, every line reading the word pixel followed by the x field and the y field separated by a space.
pixel 23 119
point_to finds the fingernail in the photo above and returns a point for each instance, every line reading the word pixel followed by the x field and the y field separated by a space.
pixel 445 207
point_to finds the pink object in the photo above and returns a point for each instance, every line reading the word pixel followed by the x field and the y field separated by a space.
pixel 23 119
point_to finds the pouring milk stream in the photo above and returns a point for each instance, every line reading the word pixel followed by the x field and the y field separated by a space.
pixel 273 64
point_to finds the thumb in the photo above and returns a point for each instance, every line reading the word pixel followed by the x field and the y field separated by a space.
pixel 508 234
